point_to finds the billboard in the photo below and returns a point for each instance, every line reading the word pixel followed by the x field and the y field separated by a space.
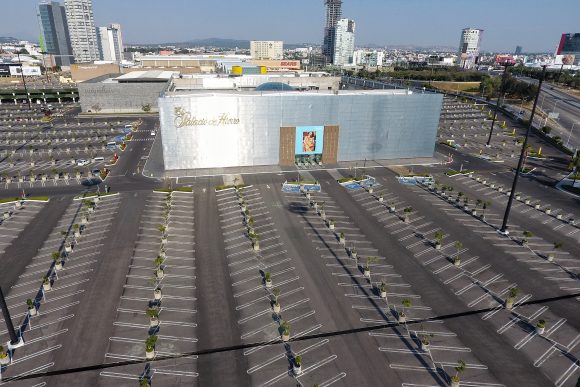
pixel 26 70
pixel 4 70
pixel 565 59
pixel 309 140
pixel 505 60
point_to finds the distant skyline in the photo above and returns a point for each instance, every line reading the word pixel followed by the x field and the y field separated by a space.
pixel 535 25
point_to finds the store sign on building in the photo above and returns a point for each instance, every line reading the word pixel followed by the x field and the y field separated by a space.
pixel 184 118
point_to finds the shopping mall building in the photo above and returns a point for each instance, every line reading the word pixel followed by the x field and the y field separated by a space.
pixel 216 125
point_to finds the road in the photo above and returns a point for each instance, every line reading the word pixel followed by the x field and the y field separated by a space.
pixel 554 99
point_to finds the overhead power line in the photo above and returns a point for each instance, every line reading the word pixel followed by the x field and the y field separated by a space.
pixel 344 332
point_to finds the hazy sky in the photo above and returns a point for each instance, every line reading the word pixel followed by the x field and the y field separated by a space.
pixel 534 24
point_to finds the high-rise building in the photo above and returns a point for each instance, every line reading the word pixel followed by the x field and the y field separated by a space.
pixel 569 46
pixel 333 15
pixel 267 49
pixel 54 32
pixel 344 43
pixel 518 50
pixel 81 27
pixel 110 43
pixel 469 47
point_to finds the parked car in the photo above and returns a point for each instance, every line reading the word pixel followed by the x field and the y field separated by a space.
pixel 153 133
pixel 82 162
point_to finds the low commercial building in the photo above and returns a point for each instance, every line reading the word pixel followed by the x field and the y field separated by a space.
pixel 274 124
pixel 134 92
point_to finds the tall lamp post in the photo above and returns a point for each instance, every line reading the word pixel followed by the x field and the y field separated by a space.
pixel 501 91
pixel 13 338
pixel 23 81
pixel 570 134
pixel 503 229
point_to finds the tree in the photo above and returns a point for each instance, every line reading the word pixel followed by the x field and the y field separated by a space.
pixel 459 368
pixel 146 107
pixel 575 167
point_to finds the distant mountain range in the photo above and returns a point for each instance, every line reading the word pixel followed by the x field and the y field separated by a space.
pixel 222 43
pixel 245 44
pixel 8 39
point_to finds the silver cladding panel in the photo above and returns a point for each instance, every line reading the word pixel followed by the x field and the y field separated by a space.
pixel 371 126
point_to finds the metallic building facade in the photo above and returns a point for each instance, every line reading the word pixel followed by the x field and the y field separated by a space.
pixel 229 129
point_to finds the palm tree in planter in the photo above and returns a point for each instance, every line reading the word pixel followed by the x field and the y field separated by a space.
pixel 46 283
pixel 256 241
pixel 391 205
pixel 144 382
pixel 77 229
pixel 459 368
pixel 367 269
pixel 466 203
pixel 541 327
pixel 31 307
pixel 250 223
pixel 157 293
pixel 57 261
pixel 159 273
pixel 342 239
pixel 457 259
pixel 425 339
pixel 527 234
pixel 485 206
pixel 153 314
pixel 557 245
pixel 268 279
pixel 150 346
pixel 285 330
pixel 297 366
pixel 402 315
pixel 276 306
pixel 513 293
pixel 4 358
pixel 383 290
pixel 407 211
pixel 331 224
pixel 162 228
pixel 381 198
pixel 320 208
pixel 438 239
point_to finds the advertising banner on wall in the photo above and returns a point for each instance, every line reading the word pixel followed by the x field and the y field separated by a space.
pixel 309 140
pixel 565 59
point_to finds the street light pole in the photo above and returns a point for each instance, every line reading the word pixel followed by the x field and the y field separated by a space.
pixel 570 134
pixel 553 111
pixel 503 229
pixel 501 90
pixel 13 338
pixel 23 81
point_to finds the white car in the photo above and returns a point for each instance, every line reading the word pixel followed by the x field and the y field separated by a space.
pixel 82 162
pixel 153 133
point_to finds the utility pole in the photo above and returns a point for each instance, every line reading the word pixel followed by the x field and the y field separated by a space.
pixel 23 81
pixel 501 90
pixel 503 229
